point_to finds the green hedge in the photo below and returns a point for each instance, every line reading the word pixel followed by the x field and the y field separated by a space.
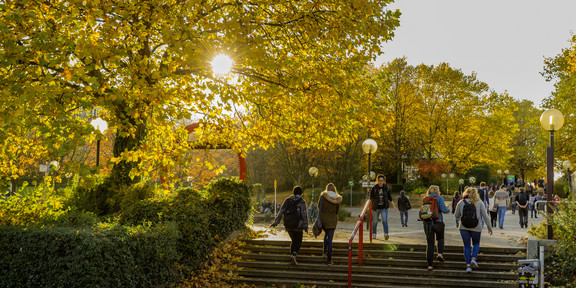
pixel 151 242
pixel 112 256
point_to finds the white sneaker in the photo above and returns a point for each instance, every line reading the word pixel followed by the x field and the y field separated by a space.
pixel 473 262
pixel 468 270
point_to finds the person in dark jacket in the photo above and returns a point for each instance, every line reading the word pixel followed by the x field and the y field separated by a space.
pixel 403 207
pixel 381 198
pixel 301 224
pixel 329 204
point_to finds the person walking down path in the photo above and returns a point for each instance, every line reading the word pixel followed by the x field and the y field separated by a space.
pixel 531 201
pixel 381 199
pixel 455 201
pixel 470 210
pixel 403 207
pixel 434 226
pixel 537 205
pixel 329 204
pixel 501 199
pixel 492 209
pixel 295 216
pixel 522 204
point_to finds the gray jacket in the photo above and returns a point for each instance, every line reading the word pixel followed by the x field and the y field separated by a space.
pixel 480 214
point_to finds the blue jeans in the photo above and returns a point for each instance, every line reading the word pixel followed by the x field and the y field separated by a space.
pixel 533 210
pixel 501 214
pixel 404 217
pixel 376 214
pixel 328 236
pixel 468 235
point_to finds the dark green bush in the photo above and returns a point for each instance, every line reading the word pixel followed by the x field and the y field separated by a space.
pixel 202 218
pixel 229 203
pixel 107 197
pixel 113 256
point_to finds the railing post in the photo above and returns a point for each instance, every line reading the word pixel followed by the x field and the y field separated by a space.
pixel 370 220
pixel 361 242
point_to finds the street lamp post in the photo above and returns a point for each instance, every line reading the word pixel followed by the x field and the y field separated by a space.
pixel 444 176
pixel 313 171
pixel 452 175
pixel 569 168
pixel 100 125
pixel 461 182
pixel 506 172
pixel 369 146
pixel 499 177
pixel 551 120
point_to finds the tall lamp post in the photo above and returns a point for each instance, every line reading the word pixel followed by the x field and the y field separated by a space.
pixel 101 126
pixel 551 120
pixel 499 177
pixel 461 182
pixel 569 168
pixel 313 171
pixel 506 172
pixel 369 146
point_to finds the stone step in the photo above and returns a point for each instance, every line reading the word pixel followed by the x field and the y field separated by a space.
pixel 452 265
pixel 375 270
pixel 386 246
pixel 380 279
pixel 382 254
pixel 298 282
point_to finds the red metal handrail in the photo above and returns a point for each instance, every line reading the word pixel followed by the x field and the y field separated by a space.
pixel 358 228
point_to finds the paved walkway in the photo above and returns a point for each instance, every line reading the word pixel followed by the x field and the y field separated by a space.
pixel 511 236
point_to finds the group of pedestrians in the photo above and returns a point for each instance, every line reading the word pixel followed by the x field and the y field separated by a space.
pixel 470 211
pixel 295 216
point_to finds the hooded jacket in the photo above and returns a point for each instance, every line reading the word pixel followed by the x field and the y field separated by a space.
pixel 330 202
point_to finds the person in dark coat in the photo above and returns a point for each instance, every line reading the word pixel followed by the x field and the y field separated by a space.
pixel 329 205
pixel 403 207
pixel 301 224
pixel 457 197
pixel 381 198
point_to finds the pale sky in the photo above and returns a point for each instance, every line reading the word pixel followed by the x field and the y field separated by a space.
pixel 503 41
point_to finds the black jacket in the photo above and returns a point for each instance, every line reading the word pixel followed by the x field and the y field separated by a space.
pixel 375 197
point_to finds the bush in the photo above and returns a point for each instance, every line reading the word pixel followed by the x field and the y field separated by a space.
pixel 343 214
pixel 202 217
pixel 108 256
pixel 37 207
pixel 108 198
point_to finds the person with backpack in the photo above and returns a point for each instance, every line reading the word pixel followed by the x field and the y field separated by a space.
pixel 433 206
pixel 470 210
pixel 483 193
pixel 522 204
pixel 329 204
pixel 381 198
pixel 501 200
pixel 293 211
pixel 403 207
pixel 455 201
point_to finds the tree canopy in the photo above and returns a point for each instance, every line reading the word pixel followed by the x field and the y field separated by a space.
pixel 299 74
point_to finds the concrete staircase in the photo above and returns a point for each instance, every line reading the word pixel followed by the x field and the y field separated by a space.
pixel 267 262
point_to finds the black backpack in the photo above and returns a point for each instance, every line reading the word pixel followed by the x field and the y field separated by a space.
pixel 522 198
pixel 483 193
pixel 469 218
pixel 292 214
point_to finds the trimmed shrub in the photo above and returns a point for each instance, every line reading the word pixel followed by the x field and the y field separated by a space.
pixel 229 203
pixel 343 214
pixel 109 256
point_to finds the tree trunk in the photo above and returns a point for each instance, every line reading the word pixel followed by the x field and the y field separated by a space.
pixel 120 174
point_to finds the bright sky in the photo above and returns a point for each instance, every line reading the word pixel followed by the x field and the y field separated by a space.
pixel 503 41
